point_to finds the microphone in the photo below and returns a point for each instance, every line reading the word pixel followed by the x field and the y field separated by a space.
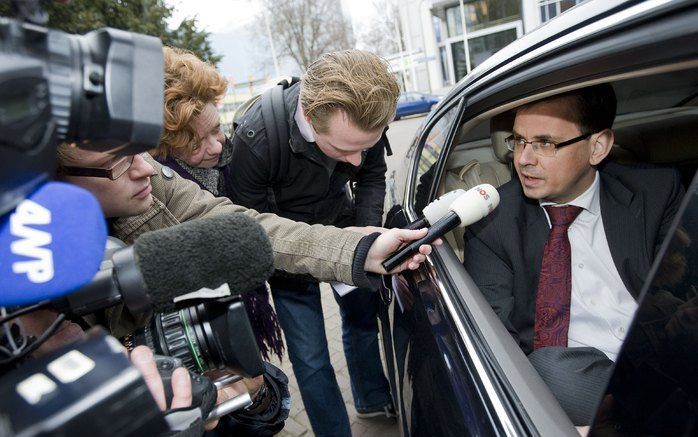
pixel 469 207
pixel 229 249
pixel 51 244
pixel 436 209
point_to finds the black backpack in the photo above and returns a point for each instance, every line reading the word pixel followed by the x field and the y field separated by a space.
pixel 275 120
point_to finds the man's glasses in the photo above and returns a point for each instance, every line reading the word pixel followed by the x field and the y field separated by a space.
pixel 541 148
pixel 117 167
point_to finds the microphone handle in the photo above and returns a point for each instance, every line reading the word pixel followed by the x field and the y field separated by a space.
pixel 437 230
pixel 418 224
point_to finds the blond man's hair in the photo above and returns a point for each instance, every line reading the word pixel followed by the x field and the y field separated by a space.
pixel 357 82
pixel 190 85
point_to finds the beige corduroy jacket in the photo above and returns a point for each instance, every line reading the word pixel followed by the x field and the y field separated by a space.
pixel 323 252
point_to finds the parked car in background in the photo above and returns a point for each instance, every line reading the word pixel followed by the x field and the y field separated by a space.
pixel 453 367
pixel 412 103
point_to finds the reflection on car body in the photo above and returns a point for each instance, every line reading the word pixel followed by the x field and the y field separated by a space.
pixel 442 337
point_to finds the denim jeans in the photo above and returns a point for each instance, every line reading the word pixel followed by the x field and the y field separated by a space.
pixel 299 310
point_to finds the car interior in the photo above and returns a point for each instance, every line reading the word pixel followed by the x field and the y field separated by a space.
pixel 655 123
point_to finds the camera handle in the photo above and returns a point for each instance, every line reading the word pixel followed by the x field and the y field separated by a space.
pixel 238 402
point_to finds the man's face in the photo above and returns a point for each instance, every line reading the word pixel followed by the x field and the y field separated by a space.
pixel 344 141
pixel 126 196
pixel 207 126
pixel 560 178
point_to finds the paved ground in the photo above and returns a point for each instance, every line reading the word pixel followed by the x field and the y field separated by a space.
pixel 400 134
pixel 297 423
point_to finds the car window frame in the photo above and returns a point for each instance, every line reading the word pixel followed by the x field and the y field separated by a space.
pixel 429 125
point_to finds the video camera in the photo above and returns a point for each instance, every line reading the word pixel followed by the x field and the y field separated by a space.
pixel 101 91
pixel 96 90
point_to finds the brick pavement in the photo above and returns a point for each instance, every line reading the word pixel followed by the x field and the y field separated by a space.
pixel 297 424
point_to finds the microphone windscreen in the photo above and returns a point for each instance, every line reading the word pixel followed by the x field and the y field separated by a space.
pixel 50 245
pixel 440 207
pixel 475 204
pixel 206 252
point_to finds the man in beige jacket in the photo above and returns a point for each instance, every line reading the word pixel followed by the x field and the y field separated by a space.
pixel 139 195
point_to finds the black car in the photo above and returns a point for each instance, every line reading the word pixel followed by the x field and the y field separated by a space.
pixel 454 368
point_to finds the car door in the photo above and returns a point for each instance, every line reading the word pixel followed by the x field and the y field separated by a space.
pixel 455 369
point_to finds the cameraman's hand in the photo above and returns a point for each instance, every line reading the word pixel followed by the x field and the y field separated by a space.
pixel 249 385
pixel 390 241
pixel 142 358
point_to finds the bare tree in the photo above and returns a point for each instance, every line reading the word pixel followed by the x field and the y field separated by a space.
pixel 305 29
pixel 383 34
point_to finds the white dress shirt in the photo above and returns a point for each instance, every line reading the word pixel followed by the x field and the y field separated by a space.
pixel 601 307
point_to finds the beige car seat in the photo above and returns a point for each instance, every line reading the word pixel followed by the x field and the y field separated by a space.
pixel 475 172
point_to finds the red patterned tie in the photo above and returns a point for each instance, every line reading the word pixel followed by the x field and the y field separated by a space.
pixel 555 282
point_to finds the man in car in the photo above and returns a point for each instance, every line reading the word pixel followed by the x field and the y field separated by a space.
pixel 336 119
pixel 563 258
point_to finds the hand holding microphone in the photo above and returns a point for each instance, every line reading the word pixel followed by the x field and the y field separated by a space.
pixel 465 210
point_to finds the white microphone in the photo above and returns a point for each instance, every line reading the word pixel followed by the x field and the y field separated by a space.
pixel 469 207
pixel 436 209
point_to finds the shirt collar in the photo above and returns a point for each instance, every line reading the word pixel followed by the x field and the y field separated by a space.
pixel 589 200
pixel 303 126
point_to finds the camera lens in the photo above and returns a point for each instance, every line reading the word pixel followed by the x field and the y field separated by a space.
pixel 212 335
pixel 180 334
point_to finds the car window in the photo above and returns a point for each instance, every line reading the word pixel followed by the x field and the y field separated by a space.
pixel 434 142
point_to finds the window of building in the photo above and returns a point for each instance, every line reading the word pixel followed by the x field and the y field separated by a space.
pixel 489 26
pixel 553 8
pixel 487 13
pixel 436 23
pixel 483 47
pixel 480 14
pixel 443 57
pixel 454 25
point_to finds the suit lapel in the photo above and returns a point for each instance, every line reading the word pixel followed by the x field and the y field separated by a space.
pixel 624 225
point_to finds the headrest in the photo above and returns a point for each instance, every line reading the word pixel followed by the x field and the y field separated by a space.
pixel 500 128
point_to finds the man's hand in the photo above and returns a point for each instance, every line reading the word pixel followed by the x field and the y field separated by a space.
pixel 390 241
pixel 143 360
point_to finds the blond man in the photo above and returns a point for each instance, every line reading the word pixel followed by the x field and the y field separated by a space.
pixel 335 121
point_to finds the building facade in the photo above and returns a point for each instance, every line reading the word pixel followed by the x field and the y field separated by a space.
pixel 445 39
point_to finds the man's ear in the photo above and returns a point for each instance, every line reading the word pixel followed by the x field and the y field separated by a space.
pixel 601 146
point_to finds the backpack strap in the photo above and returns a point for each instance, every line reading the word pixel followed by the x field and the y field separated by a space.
pixel 275 118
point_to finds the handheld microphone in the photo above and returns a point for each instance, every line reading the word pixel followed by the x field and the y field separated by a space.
pixel 436 209
pixel 164 264
pixel 51 244
pixel 468 208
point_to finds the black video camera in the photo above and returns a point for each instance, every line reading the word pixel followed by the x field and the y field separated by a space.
pixel 54 87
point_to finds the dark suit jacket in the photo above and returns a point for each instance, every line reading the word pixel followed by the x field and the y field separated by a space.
pixel 503 252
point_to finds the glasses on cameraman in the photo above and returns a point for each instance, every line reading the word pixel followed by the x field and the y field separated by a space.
pixel 541 147
pixel 115 170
